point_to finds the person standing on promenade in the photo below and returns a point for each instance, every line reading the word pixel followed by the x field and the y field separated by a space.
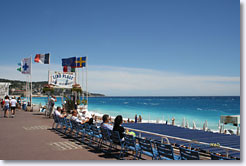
pixel 105 124
pixel 136 118
pixel 140 119
pixel 19 102
pixel 51 105
pixel 13 106
pixel 6 106
pixel 173 121
pixel 117 126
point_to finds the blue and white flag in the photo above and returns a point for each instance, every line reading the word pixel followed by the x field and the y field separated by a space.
pixel 26 66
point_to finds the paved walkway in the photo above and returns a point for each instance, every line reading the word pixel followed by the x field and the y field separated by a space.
pixel 28 136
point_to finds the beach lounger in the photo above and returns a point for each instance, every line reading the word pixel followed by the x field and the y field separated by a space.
pixel 187 154
pixel 217 157
pixel 165 152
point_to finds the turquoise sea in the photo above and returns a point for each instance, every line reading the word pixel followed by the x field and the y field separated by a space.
pixel 197 109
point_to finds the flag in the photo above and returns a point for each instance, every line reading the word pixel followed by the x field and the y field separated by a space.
pixel 81 62
pixel 26 66
pixel 42 58
pixel 69 62
pixel 19 69
pixel 68 69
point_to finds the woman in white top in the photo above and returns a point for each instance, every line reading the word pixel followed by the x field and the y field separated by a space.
pixel 13 102
pixel 6 106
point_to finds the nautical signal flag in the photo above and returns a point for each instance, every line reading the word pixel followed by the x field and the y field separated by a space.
pixel 19 69
pixel 81 62
pixel 42 58
pixel 68 69
pixel 26 66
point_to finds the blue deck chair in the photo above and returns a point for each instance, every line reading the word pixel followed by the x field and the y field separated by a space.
pixel 96 134
pixel 130 144
pixel 78 128
pixel 216 157
pixel 165 152
pixel 105 137
pixel 88 132
pixel 187 154
pixel 68 125
pixel 146 147
pixel 116 140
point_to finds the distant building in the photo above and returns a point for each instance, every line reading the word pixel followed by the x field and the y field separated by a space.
pixel 4 89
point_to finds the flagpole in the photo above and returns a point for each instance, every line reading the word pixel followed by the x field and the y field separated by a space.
pixel 82 83
pixel 31 82
pixel 49 69
pixel 26 88
pixel 87 81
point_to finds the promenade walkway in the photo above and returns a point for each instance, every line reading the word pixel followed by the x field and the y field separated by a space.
pixel 28 136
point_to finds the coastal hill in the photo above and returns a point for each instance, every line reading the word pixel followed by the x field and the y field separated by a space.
pixel 19 88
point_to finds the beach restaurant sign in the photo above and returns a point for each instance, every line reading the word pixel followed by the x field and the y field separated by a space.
pixel 62 79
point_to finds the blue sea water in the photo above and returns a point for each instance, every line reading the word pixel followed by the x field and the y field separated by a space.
pixel 197 109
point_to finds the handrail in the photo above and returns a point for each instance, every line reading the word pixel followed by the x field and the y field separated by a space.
pixel 183 139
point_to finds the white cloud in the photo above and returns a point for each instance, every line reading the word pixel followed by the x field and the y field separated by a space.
pixel 135 81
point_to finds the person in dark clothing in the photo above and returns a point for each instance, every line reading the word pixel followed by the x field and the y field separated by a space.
pixel 136 118
pixel 90 122
pixel 117 126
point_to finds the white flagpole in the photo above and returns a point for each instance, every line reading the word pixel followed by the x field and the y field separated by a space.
pixel 87 80
pixel 26 88
pixel 82 84
pixel 31 82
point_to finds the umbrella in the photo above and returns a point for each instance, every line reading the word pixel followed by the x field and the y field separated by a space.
pixel 238 130
pixel 219 125
pixel 194 125
pixel 187 124
pixel 183 123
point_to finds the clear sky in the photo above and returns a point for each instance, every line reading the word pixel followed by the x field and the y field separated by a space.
pixel 166 40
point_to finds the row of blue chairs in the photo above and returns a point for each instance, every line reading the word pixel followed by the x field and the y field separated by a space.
pixel 139 146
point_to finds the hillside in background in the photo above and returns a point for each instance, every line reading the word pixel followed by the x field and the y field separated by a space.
pixel 19 88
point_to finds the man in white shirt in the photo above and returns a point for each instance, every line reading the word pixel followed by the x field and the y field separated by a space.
pixel 57 113
pixel 13 106
pixel 75 118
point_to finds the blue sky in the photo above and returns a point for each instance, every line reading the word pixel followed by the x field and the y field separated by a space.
pixel 188 37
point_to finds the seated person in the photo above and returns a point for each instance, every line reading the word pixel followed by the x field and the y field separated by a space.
pixel 117 126
pixel 105 124
pixel 90 121
pixel 75 118
pixel 58 112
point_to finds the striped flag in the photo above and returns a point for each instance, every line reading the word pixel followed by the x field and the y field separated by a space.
pixel 42 58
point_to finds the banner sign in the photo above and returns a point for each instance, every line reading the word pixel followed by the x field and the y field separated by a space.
pixel 62 79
